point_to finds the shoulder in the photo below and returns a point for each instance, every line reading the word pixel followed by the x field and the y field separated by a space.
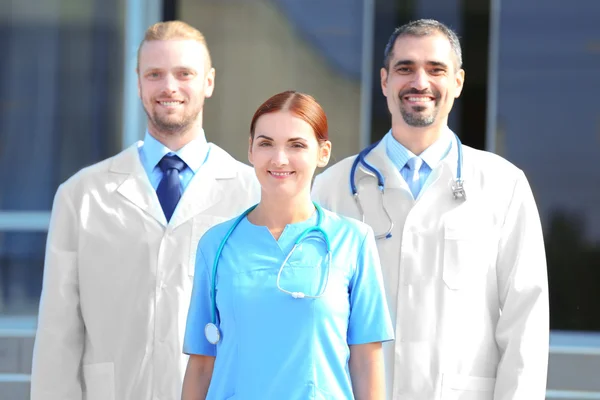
pixel 218 231
pixel 327 186
pixel 345 227
pixel 336 171
pixel 229 167
pixel 212 238
pixel 98 171
pixel 496 181
pixel 351 241
pixel 485 163
pixel 227 160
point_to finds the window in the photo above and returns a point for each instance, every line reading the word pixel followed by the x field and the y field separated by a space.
pixel 61 84
pixel 548 124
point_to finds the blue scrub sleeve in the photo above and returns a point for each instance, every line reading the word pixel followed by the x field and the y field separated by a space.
pixel 369 314
pixel 199 313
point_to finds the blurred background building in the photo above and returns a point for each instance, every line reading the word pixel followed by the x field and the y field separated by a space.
pixel 69 99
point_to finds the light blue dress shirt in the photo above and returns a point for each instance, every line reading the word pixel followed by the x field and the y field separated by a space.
pixel 431 157
pixel 194 154
pixel 274 346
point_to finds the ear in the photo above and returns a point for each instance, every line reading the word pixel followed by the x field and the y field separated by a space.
pixel 324 154
pixel 209 83
pixel 250 158
pixel 384 76
pixel 460 81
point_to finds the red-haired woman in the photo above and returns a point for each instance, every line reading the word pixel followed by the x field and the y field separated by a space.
pixel 288 301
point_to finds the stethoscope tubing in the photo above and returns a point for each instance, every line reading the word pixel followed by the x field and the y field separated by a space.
pixel 361 161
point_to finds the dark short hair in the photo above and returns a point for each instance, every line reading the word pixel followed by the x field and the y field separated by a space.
pixel 420 28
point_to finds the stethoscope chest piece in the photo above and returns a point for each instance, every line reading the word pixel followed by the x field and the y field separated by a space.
pixel 211 330
pixel 212 333
pixel 458 190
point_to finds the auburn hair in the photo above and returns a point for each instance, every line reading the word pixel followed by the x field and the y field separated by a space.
pixel 298 104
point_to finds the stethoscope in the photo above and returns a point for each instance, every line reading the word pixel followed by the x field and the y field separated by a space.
pixel 211 331
pixel 458 190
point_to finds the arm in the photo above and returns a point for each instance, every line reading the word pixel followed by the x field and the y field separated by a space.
pixel 197 377
pixel 367 371
pixel 522 332
pixel 59 338
pixel 198 373
pixel 370 323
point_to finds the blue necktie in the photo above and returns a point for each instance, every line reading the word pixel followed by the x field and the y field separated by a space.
pixel 169 188
pixel 413 179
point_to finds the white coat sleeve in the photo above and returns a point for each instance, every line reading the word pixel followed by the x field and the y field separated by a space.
pixel 60 333
pixel 522 333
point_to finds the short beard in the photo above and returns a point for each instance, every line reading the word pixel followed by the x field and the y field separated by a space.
pixel 170 127
pixel 416 120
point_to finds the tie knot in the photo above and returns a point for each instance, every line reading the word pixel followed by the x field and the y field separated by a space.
pixel 171 162
pixel 414 164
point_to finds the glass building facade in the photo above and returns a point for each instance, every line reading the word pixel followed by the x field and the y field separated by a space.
pixel 70 99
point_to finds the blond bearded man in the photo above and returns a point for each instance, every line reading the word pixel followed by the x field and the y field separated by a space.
pixel 122 239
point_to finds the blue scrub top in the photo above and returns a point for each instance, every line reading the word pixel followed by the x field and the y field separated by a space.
pixel 274 346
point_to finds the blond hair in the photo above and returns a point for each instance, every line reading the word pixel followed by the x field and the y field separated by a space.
pixel 174 30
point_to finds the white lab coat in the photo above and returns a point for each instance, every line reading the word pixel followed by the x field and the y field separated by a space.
pixel 466 282
pixel 118 278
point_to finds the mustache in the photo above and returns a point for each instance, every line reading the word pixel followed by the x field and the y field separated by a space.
pixel 426 92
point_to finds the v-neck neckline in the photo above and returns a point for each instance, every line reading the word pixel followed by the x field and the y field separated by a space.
pixel 285 240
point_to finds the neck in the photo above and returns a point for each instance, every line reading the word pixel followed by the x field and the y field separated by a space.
pixel 275 213
pixel 175 140
pixel 417 139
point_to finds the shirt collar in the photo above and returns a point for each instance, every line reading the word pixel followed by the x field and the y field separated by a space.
pixel 193 153
pixel 435 153
pixel 432 155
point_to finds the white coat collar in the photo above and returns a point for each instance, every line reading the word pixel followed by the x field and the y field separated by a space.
pixel 203 191
pixel 393 180
pixel 379 159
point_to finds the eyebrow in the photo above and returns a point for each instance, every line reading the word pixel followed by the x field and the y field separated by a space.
pixel 430 63
pixel 179 67
pixel 176 68
pixel 264 137
pixel 289 140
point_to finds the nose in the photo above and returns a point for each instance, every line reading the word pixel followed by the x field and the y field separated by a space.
pixel 170 84
pixel 279 157
pixel 421 80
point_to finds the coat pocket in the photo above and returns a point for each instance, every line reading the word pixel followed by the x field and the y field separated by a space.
pixel 466 256
pixel 465 387
pixel 99 381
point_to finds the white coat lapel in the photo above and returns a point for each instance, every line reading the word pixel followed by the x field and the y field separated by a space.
pixel 205 189
pixel 379 159
pixel 136 186
pixel 396 192
pixel 445 172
